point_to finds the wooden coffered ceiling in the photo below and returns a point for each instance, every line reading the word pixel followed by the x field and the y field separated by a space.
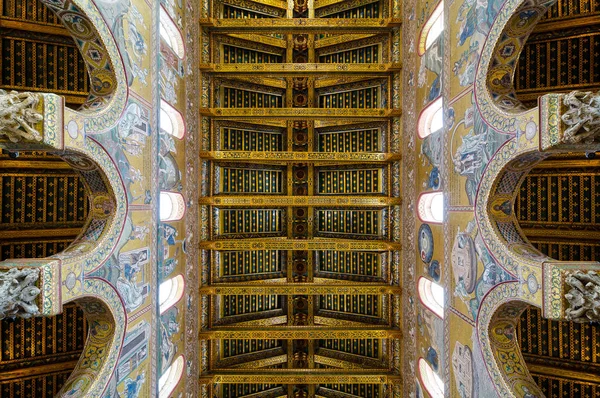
pixel 301 197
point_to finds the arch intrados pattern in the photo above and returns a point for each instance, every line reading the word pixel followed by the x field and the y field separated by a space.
pixel 108 88
pixel 107 319
pixel 496 329
pixel 494 208
pixel 539 280
pixel 66 277
pixel 494 90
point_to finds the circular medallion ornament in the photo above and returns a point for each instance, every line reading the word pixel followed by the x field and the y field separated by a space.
pixel 531 130
pixel 73 129
pixel 70 280
pixel 425 243
pixel 532 284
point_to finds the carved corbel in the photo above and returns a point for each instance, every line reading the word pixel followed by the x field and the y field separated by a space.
pixel 570 122
pixel 571 291
pixel 30 121
pixel 29 289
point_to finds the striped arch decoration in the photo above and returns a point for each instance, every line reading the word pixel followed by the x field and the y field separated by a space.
pixel 494 92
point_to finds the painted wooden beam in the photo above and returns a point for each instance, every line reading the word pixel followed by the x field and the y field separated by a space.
pixel 301 288
pixel 301 113
pixel 301 69
pixel 300 332
pixel 300 25
pixel 302 376
pixel 284 157
pixel 297 244
pixel 278 200
pixel 39 370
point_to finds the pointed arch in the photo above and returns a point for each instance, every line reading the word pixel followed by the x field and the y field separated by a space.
pixel 494 92
pixel 108 88
pixel 497 321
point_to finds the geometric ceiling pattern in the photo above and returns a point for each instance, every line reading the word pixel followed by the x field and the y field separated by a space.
pixel 301 194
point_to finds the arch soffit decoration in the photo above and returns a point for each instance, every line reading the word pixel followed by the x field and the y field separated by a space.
pixel 497 321
pixel 108 88
pixel 530 130
pixel 534 273
pixel 496 101
pixel 494 93
pixel 66 276
pixel 101 55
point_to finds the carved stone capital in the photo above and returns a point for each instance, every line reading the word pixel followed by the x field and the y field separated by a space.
pixel 30 287
pixel 571 291
pixel 583 296
pixel 570 121
pixel 19 290
pixel 30 121
pixel 20 116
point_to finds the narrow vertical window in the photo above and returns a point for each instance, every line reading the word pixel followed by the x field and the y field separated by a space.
pixel 432 29
pixel 169 380
pixel 432 296
pixel 170 292
pixel 172 206
pixel 171 121
pixel 431 119
pixel 431 207
pixel 431 381
pixel 171 34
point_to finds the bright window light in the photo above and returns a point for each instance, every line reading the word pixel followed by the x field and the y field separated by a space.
pixel 431 118
pixel 171 121
pixel 172 206
pixel 170 292
pixel 432 296
pixel 431 381
pixel 169 380
pixel 431 207
pixel 171 34
pixel 437 120
pixel 432 29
